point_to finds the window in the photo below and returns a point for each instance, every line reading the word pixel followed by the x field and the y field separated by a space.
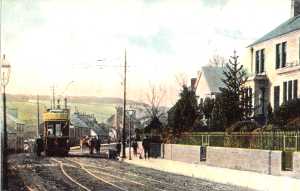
pixel 260 61
pixel 58 130
pixel 257 62
pixel 284 91
pixel 283 55
pixel 276 97
pixel 295 89
pixel 280 55
pixel 290 89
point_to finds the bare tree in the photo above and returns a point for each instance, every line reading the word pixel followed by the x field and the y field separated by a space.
pixel 217 60
pixel 182 79
pixel 154 99
pixel 155 113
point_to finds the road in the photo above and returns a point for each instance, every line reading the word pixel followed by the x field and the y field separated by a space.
pixel 28 172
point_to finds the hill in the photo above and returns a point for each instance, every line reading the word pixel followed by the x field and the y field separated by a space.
pixel 26 106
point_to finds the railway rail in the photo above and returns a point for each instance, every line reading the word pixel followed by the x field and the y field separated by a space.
pixel 131 177
pixel 86 173
pixel 86 183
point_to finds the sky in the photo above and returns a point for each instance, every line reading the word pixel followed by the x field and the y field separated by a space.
pixel 55 42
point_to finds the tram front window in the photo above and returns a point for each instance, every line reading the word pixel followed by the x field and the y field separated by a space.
pixel 58 130
pixel 55 129
pixel 50 130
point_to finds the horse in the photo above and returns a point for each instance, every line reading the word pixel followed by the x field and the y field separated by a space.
pixel 84 141
pixel 89 142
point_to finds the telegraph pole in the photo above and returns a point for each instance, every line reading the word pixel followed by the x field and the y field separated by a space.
pixel 1 124
pixel 53 98
pixel 38 115
pixel 124 110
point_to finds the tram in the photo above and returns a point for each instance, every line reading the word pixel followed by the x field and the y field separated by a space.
pixel 55 137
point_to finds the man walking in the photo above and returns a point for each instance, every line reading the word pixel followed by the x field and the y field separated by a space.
pixel 98 144
pixel 135 146
pixel 146 146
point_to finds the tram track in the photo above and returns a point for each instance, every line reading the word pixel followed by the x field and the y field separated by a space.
pixel 138 179
pixel 87 183
pixel 157 182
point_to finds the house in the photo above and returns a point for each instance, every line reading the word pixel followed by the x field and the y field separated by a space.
pixel 208 82
pixel 273 64
pixel 15 133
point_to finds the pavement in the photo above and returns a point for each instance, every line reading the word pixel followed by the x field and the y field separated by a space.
pixel 247 179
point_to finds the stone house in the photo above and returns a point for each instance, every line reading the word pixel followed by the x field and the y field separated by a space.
pixel 273 65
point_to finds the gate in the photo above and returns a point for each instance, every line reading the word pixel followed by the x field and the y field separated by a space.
pixel 289 146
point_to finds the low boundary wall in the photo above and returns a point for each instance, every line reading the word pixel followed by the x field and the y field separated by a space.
pixel 296 162
pixel 263 161
pixel 182 153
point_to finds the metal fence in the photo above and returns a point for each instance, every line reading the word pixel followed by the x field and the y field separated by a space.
pixel 277 140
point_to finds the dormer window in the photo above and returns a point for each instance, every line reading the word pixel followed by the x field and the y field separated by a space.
pixel 280 55
pixel 260 61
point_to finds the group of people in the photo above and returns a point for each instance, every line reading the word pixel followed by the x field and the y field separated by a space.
pixel 136 151
pixel 91 142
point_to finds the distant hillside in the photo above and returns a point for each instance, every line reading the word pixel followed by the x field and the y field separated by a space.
pixel 73 99
pixel 26 106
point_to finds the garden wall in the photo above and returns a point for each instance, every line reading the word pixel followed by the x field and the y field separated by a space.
pixel 182 153
pixel 263 161
pixel 296 162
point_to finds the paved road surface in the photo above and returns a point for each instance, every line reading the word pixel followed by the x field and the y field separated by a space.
pixel 28 172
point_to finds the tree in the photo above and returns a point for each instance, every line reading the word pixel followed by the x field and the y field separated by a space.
pixel 155 113
pixel 234 81
pixel 217 116
pixel 217 60
pixel 183 114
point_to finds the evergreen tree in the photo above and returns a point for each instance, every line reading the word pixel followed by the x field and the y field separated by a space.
pixel 232 94
pixel 208 106
pixel 217 115
pixel 184 112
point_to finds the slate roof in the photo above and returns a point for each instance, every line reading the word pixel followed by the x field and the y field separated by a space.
pixel 77 122
pixel 213 76
pixel 288 26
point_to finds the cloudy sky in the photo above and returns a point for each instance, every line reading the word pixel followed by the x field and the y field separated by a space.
pixel 58 41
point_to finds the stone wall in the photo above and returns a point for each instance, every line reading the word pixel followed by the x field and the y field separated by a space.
pixel 183 153
pixel 263 161
pixel 296 162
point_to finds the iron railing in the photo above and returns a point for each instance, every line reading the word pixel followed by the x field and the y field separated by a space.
pixel 277 140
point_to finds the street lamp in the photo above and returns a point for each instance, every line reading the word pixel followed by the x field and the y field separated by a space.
pixel 131 112
pixel 5 74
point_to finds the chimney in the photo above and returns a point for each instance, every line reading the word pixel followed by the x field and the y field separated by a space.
pixel 193 83
pixel 295 8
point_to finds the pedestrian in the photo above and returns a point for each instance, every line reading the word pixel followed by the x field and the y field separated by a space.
pixel 39 145
pixel 98 144
pixel 119 148
pixel 134 146
pixel 92 144
pixel 146 147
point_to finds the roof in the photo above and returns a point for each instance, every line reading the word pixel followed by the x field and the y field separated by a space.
pixel 288 26
pixel 77 122
pixel 213 76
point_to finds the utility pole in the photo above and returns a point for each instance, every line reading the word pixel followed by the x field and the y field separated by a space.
pixel 53 98
pixel 2 131
pixel 124 110
pixel 38 115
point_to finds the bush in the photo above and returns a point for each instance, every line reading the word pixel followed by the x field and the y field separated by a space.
pixel 287 112
pixel 243 126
